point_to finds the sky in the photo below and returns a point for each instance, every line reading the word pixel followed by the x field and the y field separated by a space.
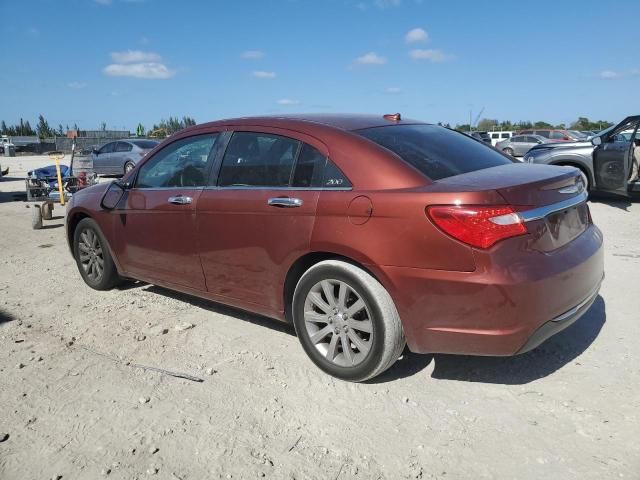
pixel 128 61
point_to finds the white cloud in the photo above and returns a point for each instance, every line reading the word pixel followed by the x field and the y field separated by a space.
pixel 416 35
pixel 287 101
pixel 393 90
pixel 609 74
pixel 152 70
pixel 371 58
pixel 252 54
pixel 263 74
pixel 135 56
pixel 76 85
pixel 432 55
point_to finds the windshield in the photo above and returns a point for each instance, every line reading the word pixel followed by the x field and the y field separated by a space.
pixel 435 151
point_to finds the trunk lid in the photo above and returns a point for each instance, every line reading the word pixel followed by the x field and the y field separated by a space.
pixel 551 199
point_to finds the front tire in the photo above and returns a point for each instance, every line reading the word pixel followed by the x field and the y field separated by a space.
pixel 93 257
pixel 346 321
pixel 508 151
pixel 128 167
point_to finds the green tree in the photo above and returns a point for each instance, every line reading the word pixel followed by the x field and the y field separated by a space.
pixel 487 124
pixel 140 130
pixel 103 126
pixel 3 128
pixel 43 128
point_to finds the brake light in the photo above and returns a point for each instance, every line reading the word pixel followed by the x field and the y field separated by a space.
pixel 478 226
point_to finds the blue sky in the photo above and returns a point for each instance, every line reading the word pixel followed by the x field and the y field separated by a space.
pixel 130 61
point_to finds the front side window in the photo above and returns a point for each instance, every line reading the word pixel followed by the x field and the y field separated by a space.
pixel 180 164
pixel 505 135
pixel 435 151
pixel 518 139
pixel 543 133
pixel 108 148
pixel 495 135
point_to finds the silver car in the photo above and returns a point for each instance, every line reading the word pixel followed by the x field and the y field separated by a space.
pixel 119 157
pixel 518 145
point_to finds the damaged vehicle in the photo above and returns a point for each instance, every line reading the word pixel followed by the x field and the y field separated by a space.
pixel 608 161
pixel 365 232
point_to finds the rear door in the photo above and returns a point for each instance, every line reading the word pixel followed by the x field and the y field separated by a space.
pixel 612 158
pixel 155 236
pixel 258 216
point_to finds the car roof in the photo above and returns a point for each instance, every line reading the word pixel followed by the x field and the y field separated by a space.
pixel 347 121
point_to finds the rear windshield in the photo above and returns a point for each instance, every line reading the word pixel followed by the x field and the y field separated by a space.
pixel 144 143
pixel 436 151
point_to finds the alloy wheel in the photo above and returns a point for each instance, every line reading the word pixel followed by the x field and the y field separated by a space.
pixel 91 254
pixel 338 322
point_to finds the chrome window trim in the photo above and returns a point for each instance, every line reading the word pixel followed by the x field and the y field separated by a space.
pixel 542 212
pixel 258 187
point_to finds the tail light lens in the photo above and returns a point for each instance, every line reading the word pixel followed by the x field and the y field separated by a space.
pixel 478 226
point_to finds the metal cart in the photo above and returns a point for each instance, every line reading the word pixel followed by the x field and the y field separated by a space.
pixel 46 190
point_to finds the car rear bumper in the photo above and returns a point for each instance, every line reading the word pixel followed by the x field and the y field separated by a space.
pixel 514 301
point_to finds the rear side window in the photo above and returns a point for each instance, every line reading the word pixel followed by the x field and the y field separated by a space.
pixel 258 159
pixel 543 133
pixel 435 151
pixel 505 135
pixel 123 147
pixel 558 135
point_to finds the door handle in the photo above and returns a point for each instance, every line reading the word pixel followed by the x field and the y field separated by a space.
pixel 285 202
pixel 179 200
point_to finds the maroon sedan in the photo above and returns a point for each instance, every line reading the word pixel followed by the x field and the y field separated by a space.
pixel 365 232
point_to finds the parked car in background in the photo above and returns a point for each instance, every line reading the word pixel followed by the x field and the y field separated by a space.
pixel 553 134
pixel 119 157
pixel 605 160
pixel 499 136
pixel 482 136
pixel 518 145
pixel 588 133
pixel 276 215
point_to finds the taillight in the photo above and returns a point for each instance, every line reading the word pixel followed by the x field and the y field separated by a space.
pixel 478 226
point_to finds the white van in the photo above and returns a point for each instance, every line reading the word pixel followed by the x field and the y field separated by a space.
pixel 499 136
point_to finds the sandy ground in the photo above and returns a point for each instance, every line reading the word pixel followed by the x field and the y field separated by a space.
pixel 73 408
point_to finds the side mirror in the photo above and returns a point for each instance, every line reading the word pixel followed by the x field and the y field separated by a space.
pixel 538 142
pixel 113 195
pixel 596 141
pixel 95 151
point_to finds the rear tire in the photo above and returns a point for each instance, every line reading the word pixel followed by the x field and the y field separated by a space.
pixel 346 321
pixel 93 256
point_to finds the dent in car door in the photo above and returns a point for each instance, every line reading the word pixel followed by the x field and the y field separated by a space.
pixel 612 158
pixel 259 217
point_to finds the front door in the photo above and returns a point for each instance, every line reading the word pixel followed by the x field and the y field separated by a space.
pixel 259 216
pixel 102 158
pixel 155 234
pixel 613 156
